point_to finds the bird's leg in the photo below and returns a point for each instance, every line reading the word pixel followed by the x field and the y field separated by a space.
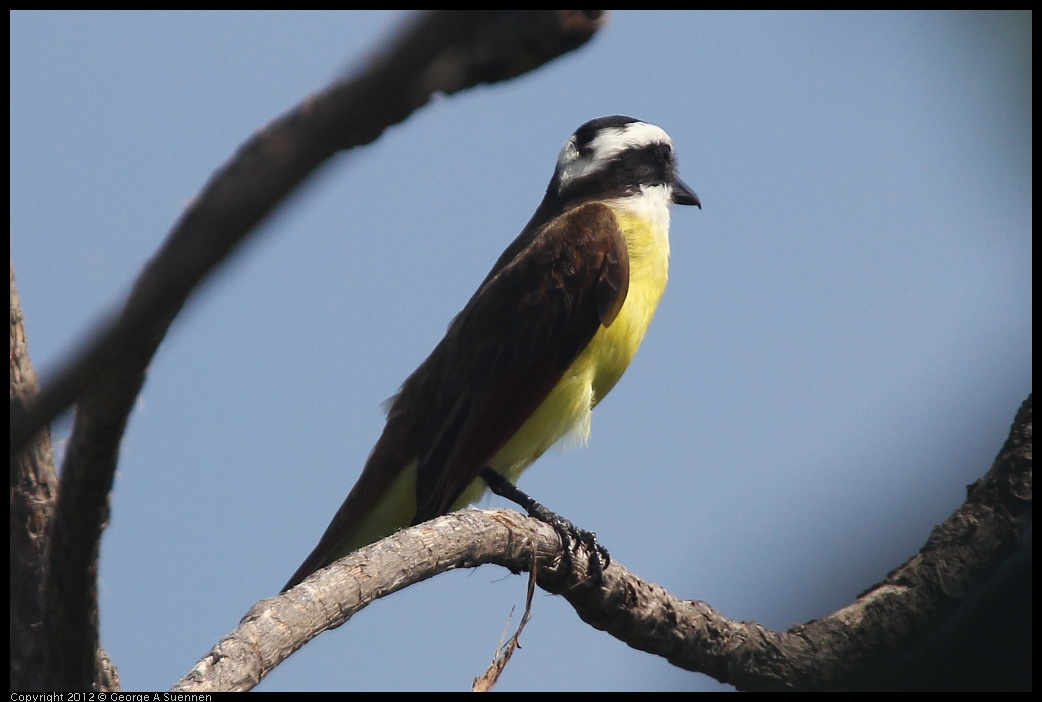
pixel 569 533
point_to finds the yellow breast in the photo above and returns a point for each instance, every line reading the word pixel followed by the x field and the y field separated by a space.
pixel 612 348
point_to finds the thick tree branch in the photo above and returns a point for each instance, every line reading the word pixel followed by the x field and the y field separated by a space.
pixel 34 488
pixel 439 52
pixel 822 654
pixel 887 618
pixel 33 492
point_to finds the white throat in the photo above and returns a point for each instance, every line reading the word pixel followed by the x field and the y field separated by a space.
pixel 650 205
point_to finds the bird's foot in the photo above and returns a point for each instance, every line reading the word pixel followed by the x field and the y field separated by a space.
pixel 570 534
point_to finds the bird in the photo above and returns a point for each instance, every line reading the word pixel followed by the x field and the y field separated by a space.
pixel 547 334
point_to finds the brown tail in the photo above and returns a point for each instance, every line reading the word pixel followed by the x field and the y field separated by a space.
pixel 381 470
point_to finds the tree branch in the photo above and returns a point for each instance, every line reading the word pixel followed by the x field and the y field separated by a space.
pixel 822 654
pixel 885 619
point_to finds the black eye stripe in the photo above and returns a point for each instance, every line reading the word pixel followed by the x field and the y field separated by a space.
pixel 649 164
pixel 624 173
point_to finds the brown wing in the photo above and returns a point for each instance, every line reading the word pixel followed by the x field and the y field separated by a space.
pixel 512 343
pixel 500 357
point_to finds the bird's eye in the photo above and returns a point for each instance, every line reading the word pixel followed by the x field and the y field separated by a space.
pixel 666 151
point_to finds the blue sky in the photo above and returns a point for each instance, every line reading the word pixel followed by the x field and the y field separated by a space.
pixel 844 341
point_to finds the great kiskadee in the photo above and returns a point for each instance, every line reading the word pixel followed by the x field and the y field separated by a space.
pixel 545 337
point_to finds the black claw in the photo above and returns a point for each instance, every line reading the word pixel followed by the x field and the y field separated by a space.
pixel 569 533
